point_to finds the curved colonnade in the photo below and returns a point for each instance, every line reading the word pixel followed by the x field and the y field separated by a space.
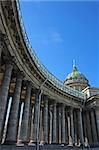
pixel 24 81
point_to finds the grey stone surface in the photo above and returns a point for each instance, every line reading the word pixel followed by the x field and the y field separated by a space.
pixel 63 125
pixel 94 132
pixel 4 94
pixel 54 124
pixel 75 127
pixel 59 124
pixel 89 133
pixel 80 127
pixel 36 107
pixel 25 119
pixel 45 147
pixel 71 125
pixel 50 124
pixel 13 118
pixel 97 119
pixel 46 120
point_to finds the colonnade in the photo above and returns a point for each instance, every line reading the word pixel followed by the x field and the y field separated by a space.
pixel 59 123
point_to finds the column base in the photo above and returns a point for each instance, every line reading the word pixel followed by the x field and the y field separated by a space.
pixel 10 142
pixel 31 144
pixel 53 143
pixel 62 144
pixel 45 143
pixel 41 144
pixel 20 142
pixel 70 145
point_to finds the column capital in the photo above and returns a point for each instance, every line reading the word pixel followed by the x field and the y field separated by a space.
pixel 54 103
pixel 50 107
pixel 3 38
pixel 63 105
pixel 28 83
pixel 80 109
pixel 46 98
pixel 9 60
pixel 71 109
pixel 20 75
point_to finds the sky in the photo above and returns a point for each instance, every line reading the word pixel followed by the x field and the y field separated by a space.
pixel 60 31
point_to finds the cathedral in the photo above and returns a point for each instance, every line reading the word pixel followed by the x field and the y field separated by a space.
pixel 37 110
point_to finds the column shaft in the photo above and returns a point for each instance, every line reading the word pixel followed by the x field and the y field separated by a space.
pixel 69 133
pixel 41 127
pixel 25 118
pixel 13 118
pixel 94 133
pixel 66 127
pixel 72 125
pixel 4 95
pixel 75 127
pixel 85 129
pixel 81 136
pixel 50 125
pixel 32 118
pixel 54 123
pixel 63 125
pixel 97 120
pixel 36 107
pixel 46 120
pixel 2 42
pixel 59 124
pixel 89 133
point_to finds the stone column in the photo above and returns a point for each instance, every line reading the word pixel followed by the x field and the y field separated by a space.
pixel 2 43
pixel 25 118
pixel 32 118
pixel 46 120
pixel 41 127
pixel 85 129
pixel 97 120
pixel 81 136
pixel 59 124
pixel 1 47
pixel 63 125
pixel 75 127
pixel 13 118
pixel 71 125
pixel 36 107
pixel 94 132
pixel 66 126
pixel 4 94
pixel 50 125
pixel 89 133
pixel 69 134
pixel 54 123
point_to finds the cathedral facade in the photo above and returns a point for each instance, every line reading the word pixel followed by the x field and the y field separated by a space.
pixel 36 107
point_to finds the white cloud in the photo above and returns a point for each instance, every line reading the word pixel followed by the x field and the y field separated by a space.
pixel 51 36
pixel 56 37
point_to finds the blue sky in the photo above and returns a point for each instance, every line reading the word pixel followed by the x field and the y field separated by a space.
pixel 60 31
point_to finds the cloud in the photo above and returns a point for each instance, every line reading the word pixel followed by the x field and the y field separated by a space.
pixel 50 36
pixel 56 37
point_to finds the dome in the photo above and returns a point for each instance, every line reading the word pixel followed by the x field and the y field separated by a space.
pixel 76 75
pixel 76 79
